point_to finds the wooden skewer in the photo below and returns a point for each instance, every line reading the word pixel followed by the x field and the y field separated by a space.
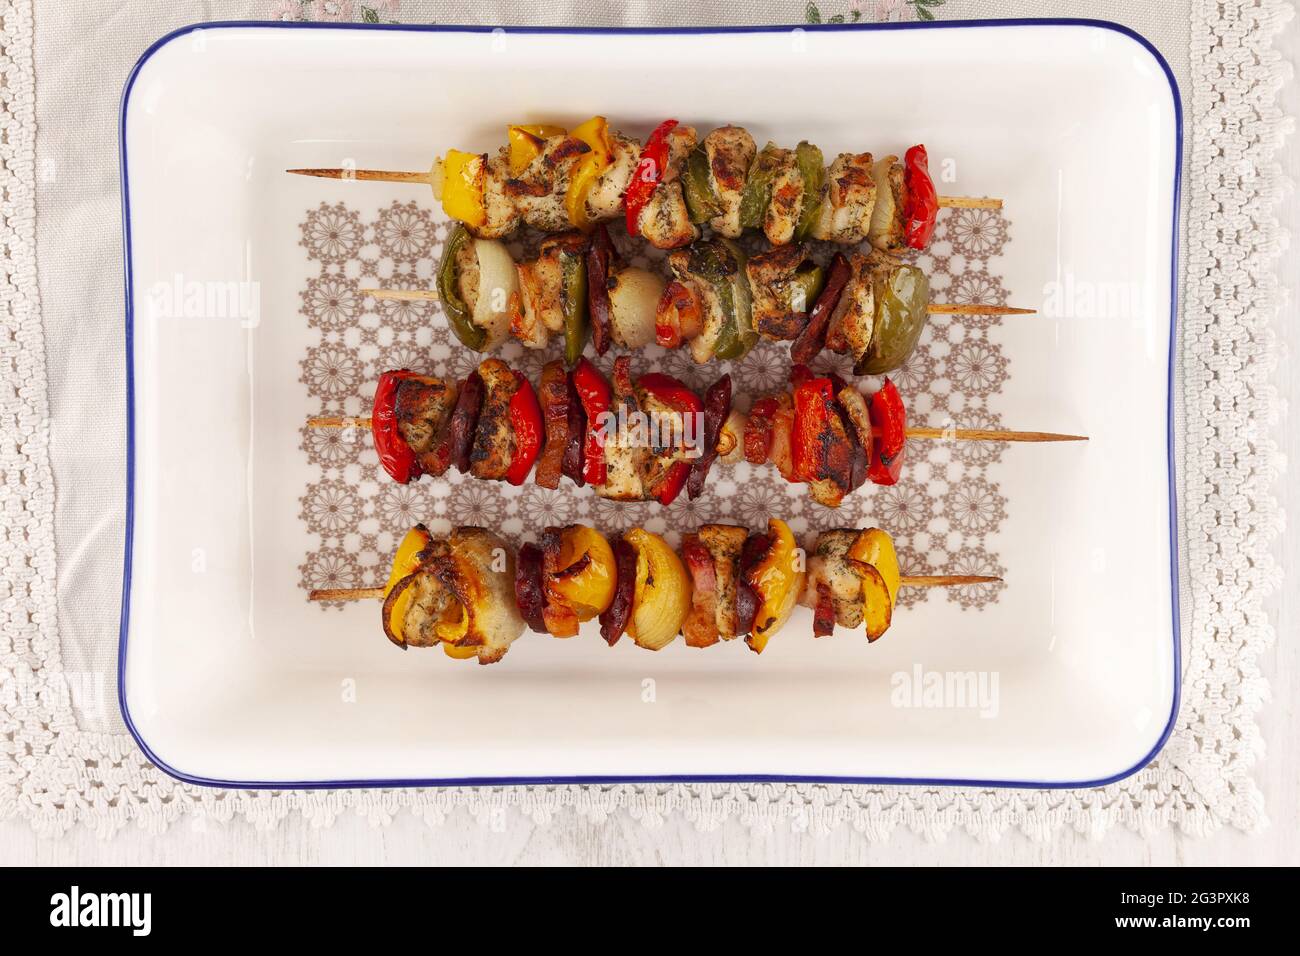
pixel 907 581
pixel 399 176
pixel 988 434
pixel 935 308
pixel 917 431
pixel 373 175
pixel 969 202
pixel 970 308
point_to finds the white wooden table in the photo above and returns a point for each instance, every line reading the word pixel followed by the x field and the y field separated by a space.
pixel 623 841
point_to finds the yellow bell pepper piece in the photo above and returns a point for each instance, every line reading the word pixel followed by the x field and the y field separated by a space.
pixel 779 580
pixel 874 558
pixel 526 143
pixel 464 177
pixel 876 548
pixel 460 653
pixel 453 631
pixel 591 590
pixel 662 597
pixel 595 133
pixel 406 561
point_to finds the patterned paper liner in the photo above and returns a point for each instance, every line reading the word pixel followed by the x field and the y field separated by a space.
pixel 944 514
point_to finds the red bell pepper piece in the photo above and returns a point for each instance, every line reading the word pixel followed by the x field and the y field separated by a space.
pixel 647 175
pixel 889 425
pixel 814 404
pixel 673 392
pixel 594 393
pixel 526 423
pixel 676 395
pixel 672 483
pixel 922 205
pixel 394 453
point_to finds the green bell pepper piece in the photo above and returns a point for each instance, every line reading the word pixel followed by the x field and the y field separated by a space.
pixel 453 306
pixel 812 169
pixel 805 285
pixel 758 188
pixel 902 309
pixel 576 325
pixel 701 201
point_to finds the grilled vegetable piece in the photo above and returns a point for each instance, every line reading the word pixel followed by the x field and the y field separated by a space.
pixel 849 201
pixel 579 575
pixel 730 153
pixel 902 299
pixel 411 552
pixel 634 296
pixel 777 577
pixel 662 593
pixel 494 443
pixel 887 230
pixel 714 271
pixel 823 449
pixel 423 410
pixel 812 175
pixel 725 543
pixel 679 317
pixel 876 548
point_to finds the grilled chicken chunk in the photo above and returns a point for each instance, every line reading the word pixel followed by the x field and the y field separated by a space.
pixel 730 151
pixel 853 320
pixel 665 221
pixel 542 290
pixel 725 543
pixel 829 565
pixel 605 198
pixel 494 443
pixel 538 192
pixel 850 198
pixel 786 202
pixel 502 215
pixel 626 454
pixel 423 409
pixel 472 570
pixel 772 289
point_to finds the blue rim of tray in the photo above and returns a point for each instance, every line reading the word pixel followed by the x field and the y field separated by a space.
pixel 662 778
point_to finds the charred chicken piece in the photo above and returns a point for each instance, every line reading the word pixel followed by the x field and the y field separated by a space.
pixel 849 199
pixel 423 409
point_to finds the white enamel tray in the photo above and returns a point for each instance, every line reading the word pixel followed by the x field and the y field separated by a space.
pixel 236 333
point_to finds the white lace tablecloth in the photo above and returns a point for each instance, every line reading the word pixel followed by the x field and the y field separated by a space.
pixel 64 756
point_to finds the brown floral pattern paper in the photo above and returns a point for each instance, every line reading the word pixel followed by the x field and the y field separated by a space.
pixel 944 514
